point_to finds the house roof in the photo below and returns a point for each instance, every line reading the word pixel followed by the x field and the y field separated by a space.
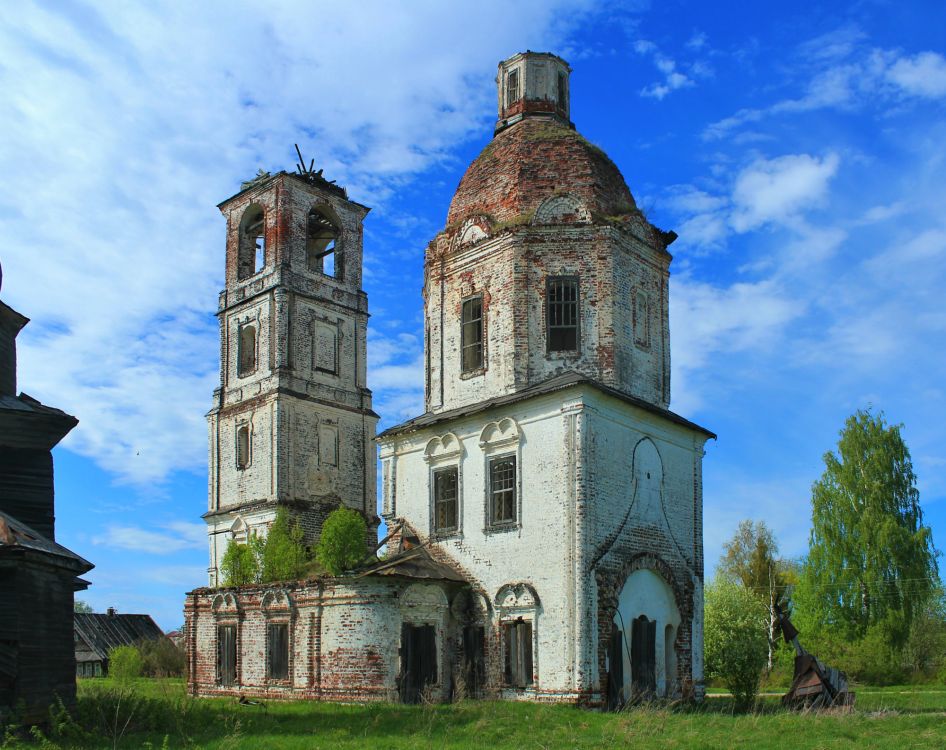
pixel 556 383
pixel 415 562
pixel 102 633
pixel 17 537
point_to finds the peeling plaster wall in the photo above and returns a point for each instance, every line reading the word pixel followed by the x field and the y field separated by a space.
pixel 580 526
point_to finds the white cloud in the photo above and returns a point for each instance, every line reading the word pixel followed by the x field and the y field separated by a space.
pixel 775 190
pixel 849 77
pixel 177 536
pixel 124 126
pixel 673 79
pixel 921 75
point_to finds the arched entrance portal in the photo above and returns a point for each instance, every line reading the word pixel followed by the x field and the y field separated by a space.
pixel 645 627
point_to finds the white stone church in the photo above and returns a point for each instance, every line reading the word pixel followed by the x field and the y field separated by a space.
pixel 544 512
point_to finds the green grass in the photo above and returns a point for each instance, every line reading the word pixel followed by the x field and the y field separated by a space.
pixel 902 717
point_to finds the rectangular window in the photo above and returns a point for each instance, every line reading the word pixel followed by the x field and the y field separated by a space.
pixel 518 643
pixel 243 446
pixel 471 336
pixel 502 490
pixel 512 87
pixel 226 654
pixel 561 91
pixel 562 314
pixel 325 348
pixel 277 651
pixel 445 499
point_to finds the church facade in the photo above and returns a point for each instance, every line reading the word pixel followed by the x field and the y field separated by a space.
pixel 545 512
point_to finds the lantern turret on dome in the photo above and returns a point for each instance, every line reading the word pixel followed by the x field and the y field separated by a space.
pixel 532 84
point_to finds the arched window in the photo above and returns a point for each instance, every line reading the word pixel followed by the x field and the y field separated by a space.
pixel 251 256
pixel 321 244
pixel 243 446
pixel 247 350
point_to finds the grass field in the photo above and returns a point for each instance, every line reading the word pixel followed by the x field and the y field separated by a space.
pixel 159 715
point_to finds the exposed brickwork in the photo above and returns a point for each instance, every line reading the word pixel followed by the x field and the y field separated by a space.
pixel 531 161
pixel 607 490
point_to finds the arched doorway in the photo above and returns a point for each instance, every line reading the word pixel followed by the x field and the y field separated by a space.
pixel 645 625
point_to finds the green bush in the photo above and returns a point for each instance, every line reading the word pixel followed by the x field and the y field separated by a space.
pixel 125 663
pixel 239 565
pixel 161 658
pixel 736 643
pixel 342 543
pixel 283 556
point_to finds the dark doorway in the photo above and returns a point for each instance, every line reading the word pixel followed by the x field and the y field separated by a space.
pixel 615 668
pixel 418 661
pixel 474 661
pixel 226 654
pixel 644 656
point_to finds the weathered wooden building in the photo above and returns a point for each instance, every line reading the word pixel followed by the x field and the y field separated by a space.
pixel 97 634
pixel 38 577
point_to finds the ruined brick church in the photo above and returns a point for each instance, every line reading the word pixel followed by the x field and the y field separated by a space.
pixel 544 513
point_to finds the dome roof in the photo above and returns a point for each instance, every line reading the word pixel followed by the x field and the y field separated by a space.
pixel 532 160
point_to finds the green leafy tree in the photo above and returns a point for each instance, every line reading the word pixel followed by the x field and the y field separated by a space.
pixel 125 663
pixel 735 638
pixel 751 559
pixel 342 543
pixel 871 561
pixel 283 555
pixel 82 607
pixel 239 565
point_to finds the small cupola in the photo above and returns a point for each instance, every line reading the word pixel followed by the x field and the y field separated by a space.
pixel 532 84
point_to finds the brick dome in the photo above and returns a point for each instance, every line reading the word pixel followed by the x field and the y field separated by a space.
pixel 532 160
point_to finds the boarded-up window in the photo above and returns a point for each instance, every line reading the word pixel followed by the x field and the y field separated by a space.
pixel 325 348
pixel 641 319
pixel 471 338
pixel 445 499
pixel 518 645
pixel 562 314
pixel 226 654
pixel 502 490
pixel 247 350
pixel 328 445
pixel 243 446
pixel 277 651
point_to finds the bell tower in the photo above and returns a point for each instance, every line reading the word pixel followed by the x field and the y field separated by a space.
pixel 292 423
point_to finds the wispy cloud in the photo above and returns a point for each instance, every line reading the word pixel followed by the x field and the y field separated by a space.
pixel 848 75
pixel 173 538
pixel 675 77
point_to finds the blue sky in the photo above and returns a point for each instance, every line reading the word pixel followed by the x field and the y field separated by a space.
pixel 799 152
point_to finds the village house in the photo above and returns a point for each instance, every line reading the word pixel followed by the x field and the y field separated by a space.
pixel 97 634
pixel 38 577
pixel 545 511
